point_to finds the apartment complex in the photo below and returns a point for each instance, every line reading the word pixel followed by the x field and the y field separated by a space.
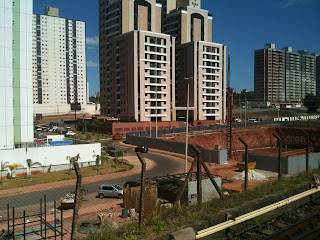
pixel 16 124
pixel 142 73
pixel 281 76
pixel 318 73
pixel 59 59
pixel 197 58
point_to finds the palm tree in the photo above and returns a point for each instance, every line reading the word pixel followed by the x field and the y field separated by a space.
pixel 73 160
pixel 13 167
pixel 31 164
pixel 98 159
pixel 3 166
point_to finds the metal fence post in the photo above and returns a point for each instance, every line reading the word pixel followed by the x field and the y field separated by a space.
pixel 77 200
pixel 279 156
pixel 307 149
pixel 196 149
pixel 143 173
pixel 246 163
pixel 178 198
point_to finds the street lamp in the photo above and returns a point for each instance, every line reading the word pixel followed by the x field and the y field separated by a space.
pixel 187 123
pixel 156 111
pixel 245 107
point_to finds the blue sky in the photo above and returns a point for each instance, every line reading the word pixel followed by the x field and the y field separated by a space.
pixel 241 25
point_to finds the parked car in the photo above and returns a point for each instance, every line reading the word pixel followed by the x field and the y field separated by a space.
pixel 116 137
pixel 70 133
pixel 252 120
pixel 109 149
pixel 141 149
pixel 110 190
pixel 131 184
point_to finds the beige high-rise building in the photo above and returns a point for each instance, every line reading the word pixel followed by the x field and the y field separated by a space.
pixel 204 63
pixel 198 58
pixel 141 79
pixel 136 61
pixel 140 41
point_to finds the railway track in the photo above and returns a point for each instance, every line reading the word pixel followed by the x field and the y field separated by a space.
pixel 300 223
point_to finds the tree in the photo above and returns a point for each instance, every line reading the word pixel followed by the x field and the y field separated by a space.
pixel 311 102
pixel 3 166
pixel 30 164
pixel 73 160
pixel 98 159
pixel 13 167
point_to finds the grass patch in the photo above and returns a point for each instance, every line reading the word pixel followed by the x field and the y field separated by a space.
pixel 108 166
pixel 186 215
pixel 90 136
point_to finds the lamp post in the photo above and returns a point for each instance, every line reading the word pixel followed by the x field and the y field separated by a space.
pixel 187 123
pixel 156 111
pixel 245 107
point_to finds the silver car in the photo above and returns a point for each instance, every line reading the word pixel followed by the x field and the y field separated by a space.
pixel 110 190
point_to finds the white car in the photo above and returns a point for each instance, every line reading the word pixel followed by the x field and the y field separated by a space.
pixel 70 133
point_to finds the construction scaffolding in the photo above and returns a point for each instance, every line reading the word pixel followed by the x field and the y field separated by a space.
pixel 36 226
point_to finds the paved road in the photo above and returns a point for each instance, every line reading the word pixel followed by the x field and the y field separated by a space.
pixel 164 165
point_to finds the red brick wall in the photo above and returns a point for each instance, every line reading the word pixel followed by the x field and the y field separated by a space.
pixel 123 128
pixel 205 123
pixel 255 138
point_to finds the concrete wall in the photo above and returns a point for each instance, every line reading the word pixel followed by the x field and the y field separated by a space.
pixel 54 155
pixel 61 109
pixel 208 190
pixel 290 165
pixel 213 156
pixel 124 127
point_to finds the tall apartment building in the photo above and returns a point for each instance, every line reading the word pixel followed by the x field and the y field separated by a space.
pixel 136 61
pixel 318 73
pixel 139 75
pixel 16 107
pixel 59 59
pixel 198 58
pixel 281 76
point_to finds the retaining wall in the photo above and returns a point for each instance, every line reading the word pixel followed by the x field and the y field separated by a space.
pixel 213 156
pixel 290 165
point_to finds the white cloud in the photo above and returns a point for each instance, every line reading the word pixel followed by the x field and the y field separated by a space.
pixel 93 41
pixel 92 64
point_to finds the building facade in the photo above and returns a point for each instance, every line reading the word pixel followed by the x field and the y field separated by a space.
pixel 281 76
pixel 140 68
pixel 59 59
pixel 141 79
pixel 16 124
pixel 204 63
pixel 198 58
pixel 318 73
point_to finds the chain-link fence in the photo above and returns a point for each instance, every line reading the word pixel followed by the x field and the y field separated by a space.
pixel 40 201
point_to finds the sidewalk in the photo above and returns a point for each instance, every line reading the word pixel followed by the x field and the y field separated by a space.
pixel 34 188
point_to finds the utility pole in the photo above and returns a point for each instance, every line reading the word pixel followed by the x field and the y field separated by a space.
pixel 245 107
pixel 187 123
pixel 156 111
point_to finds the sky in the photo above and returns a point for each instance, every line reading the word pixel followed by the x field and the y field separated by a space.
pixel 241 25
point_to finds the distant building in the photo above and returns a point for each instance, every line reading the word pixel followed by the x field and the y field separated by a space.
pixel 16 124
pixel 281 76
pixel 318 72
pixel 59 59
